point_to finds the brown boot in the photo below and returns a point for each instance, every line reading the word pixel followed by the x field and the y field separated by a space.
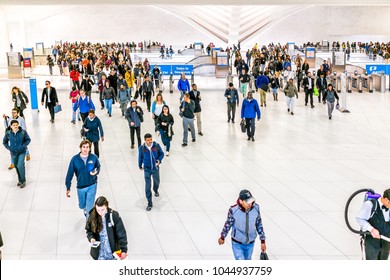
pixel 12 166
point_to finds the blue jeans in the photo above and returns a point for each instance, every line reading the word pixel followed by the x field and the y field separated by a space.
pixel 250 127
pixel 18 161
pixel 87 198
pixel 188 123
pixel 74 114
pixel 27 153
pixel 108 104
pixel 165 139
pixel 148 174
pixel 242 251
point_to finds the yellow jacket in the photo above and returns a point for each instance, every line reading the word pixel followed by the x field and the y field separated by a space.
pixel 129 76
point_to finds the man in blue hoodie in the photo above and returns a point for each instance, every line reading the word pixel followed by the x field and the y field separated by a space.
pixel 16 141
pixel 150 156
pixel 245 221
pixel 86 166
pixel 249 109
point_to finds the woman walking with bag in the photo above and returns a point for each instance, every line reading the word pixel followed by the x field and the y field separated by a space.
pixel 20 100
pixel 164 124
pixel 330 96
pixel 157 107
pixel 106 232
pixel 94 131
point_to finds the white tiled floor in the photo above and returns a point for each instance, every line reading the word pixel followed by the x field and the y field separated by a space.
pixel 301 169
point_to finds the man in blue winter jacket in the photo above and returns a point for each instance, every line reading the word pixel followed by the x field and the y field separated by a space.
pixel 16 141
pixel 150 156
pixel 183 85
pixel 86 166
pixel 249 109
pixel 245 221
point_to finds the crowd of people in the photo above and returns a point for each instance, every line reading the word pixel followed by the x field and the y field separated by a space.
pixel 109 68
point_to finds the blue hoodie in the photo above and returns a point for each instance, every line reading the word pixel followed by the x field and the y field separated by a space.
pixel 183 85
pixel 17 142
pixel 84 104
pixel 250 108
pixel 147 158
pixel 82 171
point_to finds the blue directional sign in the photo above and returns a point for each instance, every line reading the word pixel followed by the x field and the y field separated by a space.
pixel 378 69
pixel 175 69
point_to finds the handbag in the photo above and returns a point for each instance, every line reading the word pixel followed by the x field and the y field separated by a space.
pixel 57 108
pixel 315 91
pixel 95 252
pixel 83 133
pixel 264 256
pixel 243 126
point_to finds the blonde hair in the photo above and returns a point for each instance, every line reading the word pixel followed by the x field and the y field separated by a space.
pixel 162 98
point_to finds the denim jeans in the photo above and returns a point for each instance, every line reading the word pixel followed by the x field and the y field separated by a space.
pixel 242 251
pixel 18 161
pixel 75 113
pixel 148 174
pixel 165 139
pixel 87 198
pixel 188 123
pixel 250 127
pixel 27 153
pixel 108 103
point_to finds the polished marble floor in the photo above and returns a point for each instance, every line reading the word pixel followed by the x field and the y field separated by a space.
pixel 301 169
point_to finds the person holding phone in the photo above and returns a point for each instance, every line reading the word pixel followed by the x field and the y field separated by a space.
pixel 106 232
pixel 86 166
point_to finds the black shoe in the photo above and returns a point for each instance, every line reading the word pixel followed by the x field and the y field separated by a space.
pixel 312 106
pixel 18 184
pixel 249 138
pixel 306 104
pixel 109 115
pixel 228 121
pixel 292 113
pixel 149 207
pixel 102 108
pixel 193 140
pixel 265 105
pixel 189 129
pixel 79 119
pixel 330 118
pixel 73 122
pixel 261 105
pixel 184 144
pixel 200 133
pixel 288 110
pixel 22 185
pixel 232 120
pixel 156 194
pixel 85 213
pixel 132 146
pixel 253 139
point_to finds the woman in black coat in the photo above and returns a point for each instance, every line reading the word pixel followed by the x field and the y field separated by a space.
pixel 106 232
pixel 20 100
pixel 164 124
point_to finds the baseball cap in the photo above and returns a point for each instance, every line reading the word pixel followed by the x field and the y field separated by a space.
pixel 246 196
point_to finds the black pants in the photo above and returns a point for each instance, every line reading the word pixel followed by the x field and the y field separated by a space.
pixel 76 84
pixel 20 112
pixel 231 110
pixel 50 106
pixel 309 93
pixel 138 130
pixel 374 252
pixel 83 116
pixel 148 96
pixel 250 127
pixel 96 148
pixel 101 100
pixel 320 93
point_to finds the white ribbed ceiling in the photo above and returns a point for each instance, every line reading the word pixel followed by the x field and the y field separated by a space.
pixel 197 2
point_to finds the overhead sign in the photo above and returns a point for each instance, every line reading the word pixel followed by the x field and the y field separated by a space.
pixel 378 69
pixel 176 70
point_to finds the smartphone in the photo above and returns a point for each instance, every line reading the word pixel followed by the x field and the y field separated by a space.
pixel 95 244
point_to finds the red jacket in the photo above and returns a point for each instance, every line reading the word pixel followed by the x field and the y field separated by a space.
pixel 74 75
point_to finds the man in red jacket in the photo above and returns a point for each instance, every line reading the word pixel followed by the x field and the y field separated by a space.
pixel 75 75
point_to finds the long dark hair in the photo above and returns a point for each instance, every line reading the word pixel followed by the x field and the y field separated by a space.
pixel 94 217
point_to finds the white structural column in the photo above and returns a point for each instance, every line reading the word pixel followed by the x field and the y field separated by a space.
pixel 4 37
pixel 234 25
pixel 23 36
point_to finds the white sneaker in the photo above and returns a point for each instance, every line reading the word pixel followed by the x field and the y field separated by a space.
pixel 167 153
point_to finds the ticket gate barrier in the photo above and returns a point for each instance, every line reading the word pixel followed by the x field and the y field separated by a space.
pixel 349 84
pixel 355 82
pixel 229 79
pixel 171 81
pixel 360 84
